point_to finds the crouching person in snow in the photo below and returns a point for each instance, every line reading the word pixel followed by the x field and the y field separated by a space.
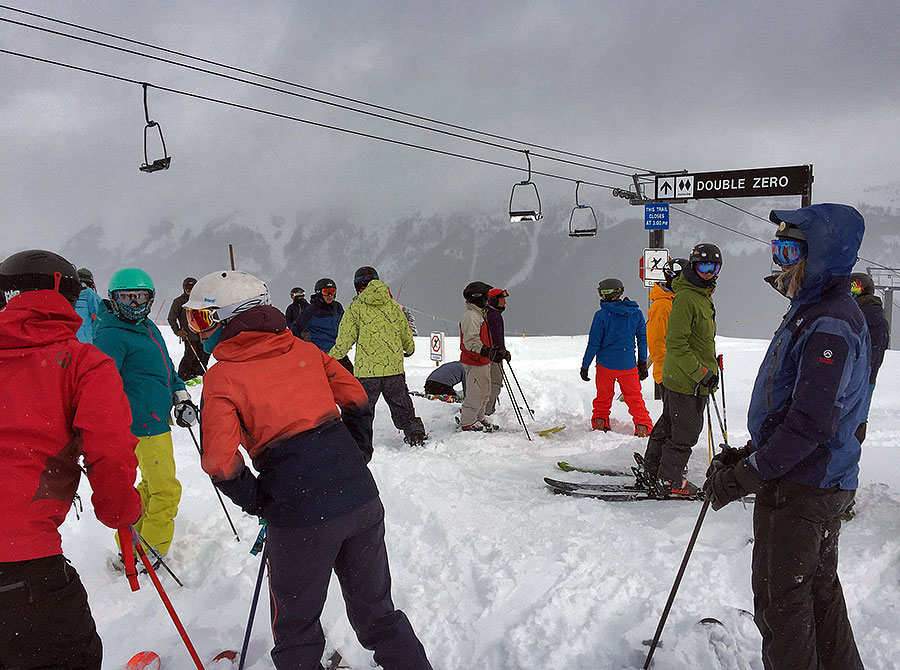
pixel 60 399
pixel 803 458
pixel 314 489
pixel 615 328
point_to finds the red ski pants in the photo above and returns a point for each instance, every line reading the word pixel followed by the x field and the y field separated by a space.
pixel 631 388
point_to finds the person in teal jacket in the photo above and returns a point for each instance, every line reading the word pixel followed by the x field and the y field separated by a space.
pixel 89 306
pixel 153 387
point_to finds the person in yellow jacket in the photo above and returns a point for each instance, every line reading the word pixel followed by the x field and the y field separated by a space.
pixel 661 296
pixel 377 326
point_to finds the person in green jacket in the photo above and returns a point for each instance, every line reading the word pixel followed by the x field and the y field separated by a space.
pixel 153 387
pixel 375 323
pixel 689 374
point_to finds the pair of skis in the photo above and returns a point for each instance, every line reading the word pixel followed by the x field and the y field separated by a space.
pixel 609 492
pixel 150 660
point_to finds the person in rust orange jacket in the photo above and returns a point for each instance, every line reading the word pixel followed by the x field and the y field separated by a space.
pixel 306 423
pixel 661 296
pixel 60 399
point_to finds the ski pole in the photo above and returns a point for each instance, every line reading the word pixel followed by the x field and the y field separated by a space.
pixel 719 417
pixel 684 562
pixel 218 495
pixel 512 399
pixel 722 379
pixel 259 578
pixel 158 557
pixel 709 432
pixel 530 411
pixel 168 604
pixel 191 345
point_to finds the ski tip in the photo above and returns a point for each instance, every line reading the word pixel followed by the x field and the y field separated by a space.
pixel 225 659
pixel 143 660
pixel 710 621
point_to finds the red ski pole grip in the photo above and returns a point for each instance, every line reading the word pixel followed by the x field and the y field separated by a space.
pixel 720 359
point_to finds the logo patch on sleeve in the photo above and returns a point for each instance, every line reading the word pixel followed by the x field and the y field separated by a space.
pixel 827 357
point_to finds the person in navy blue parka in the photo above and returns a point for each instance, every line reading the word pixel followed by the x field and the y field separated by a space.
pixel 803 457
pixel 319 322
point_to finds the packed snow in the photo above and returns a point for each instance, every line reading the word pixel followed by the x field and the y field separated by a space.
pixel 497 572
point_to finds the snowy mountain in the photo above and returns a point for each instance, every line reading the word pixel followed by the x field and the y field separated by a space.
pixel 494 570
pixel 427 260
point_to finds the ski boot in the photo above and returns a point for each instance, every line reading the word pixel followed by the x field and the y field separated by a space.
pixel 489 426
pixel 600 424
pixel 476 426
pixel 640 430
pixel 679 488
pixel 642 479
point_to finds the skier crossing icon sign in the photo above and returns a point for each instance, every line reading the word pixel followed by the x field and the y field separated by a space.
pixel 652 265
pixel 436 346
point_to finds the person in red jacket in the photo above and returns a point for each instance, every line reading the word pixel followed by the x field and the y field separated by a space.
pixel 306 423
pixel 60 399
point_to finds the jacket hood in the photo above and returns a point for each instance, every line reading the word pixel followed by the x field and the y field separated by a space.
pixel 264 318
pixel 376 293
pixel 868 300
pixel 834 234
pixel 37 318
pixel 660 292
pixel 622 307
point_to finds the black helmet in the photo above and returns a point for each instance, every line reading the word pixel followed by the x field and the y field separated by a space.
pixel 37 269
pixel 610 289
pixel 673 268
pixel 188 281
pixel 86 277
pixel 297 292
pixel 861 283
pixel 705 253
pixel 477 293
pixel 325 282
pixel 363 276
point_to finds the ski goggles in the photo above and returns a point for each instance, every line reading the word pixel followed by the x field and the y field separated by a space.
pixel 708 268
pixel 298 294
pixel 137 296
pixel 608 291
pixel 207 318
pixel 787 252
pixel 328 290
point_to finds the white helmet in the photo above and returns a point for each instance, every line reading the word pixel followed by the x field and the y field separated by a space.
pixel 228 293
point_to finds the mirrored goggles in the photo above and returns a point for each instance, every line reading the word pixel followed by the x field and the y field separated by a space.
pixel 788 252
pixel 608 291
pixel 200 320
pixel 298 294
pixel 708 268
pixel 329 290
pixel 136 296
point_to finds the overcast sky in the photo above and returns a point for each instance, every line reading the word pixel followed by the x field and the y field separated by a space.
pixel 657 85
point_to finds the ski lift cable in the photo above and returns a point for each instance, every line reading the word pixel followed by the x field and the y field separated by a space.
pixel 288 117
pixel 311 98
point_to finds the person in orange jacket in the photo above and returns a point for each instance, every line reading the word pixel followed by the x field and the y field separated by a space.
pixel 60 400
pixel 306 423
pixel 661 296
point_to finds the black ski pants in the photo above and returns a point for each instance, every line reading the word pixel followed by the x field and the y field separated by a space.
pixel 674 435
pixel 797 596
pixel 396 395
pixel 45 619
pixel 300 565
pixel 195 359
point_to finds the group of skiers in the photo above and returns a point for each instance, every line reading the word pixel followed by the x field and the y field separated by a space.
pixel 806 420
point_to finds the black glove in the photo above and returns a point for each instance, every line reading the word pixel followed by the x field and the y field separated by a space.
pixel 584 374
pixel 729 483
pixel 186 412
pixel 729 456
pixel 407 355
pixel 710 380
pixel 642 370
pixel 507 356
pixel 495 355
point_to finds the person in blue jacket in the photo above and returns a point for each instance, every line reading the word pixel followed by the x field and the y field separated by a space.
pixel 153 387
pixel 803 457
pixel 89 306
pixel 617 325
pixel 319 322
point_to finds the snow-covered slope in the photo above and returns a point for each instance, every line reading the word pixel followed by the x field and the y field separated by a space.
pixel 496 572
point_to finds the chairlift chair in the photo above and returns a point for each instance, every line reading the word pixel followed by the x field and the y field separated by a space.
pixel 584 226
pixel 159 163
pixel 518 215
